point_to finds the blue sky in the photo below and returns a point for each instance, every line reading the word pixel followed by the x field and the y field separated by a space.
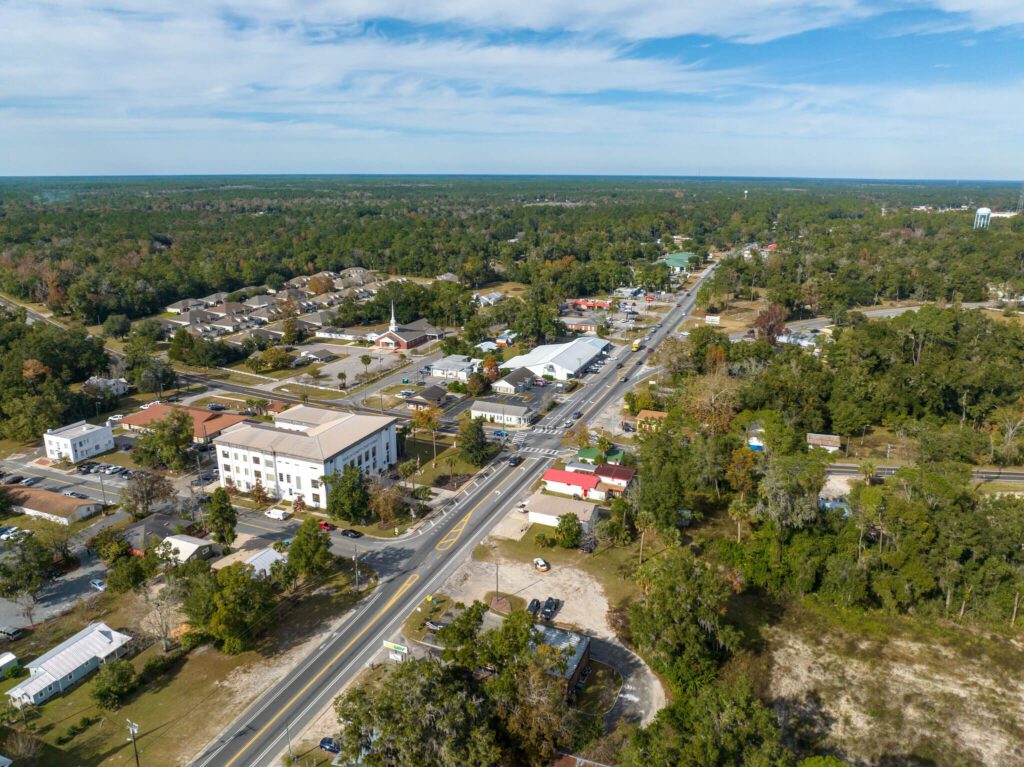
pixel 850 88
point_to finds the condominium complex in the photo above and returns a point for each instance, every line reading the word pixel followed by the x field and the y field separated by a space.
pixel 304 444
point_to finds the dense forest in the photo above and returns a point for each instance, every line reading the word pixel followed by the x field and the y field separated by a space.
pixel 90 248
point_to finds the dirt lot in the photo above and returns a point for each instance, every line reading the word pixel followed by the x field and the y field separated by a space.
pixel 584 603
pixel 901 701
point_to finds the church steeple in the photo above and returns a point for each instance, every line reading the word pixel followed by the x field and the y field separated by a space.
pixel 393 327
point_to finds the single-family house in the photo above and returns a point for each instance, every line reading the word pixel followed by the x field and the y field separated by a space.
pixel 828 442
pixel 574 647
pixel 317 355
pixel 56 507
pixel 428 396
pixel 116 386
pixel 572 483
pixel 192 317
pixel 261 302
pixel 184 548
pixel 78 441
pixel 591 455
pixel 228 308
pixel 577 324
pixel 506 413
pixel 455 367
pixel 546 509
pixel 69 663
pixel 448 277
pixel 617 478
pixel 487 347
pixel 152 530
pixel 488 299
pixel 8 661
pixel 506 338
pixel 586 468
pixel 185 305
pixel 650 420
pixel 215 298
pixel 262 562
pixel 513 383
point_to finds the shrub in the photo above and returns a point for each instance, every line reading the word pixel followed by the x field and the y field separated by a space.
pixel 112 683
pixel 159 665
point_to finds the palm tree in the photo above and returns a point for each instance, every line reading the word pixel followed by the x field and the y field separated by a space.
pixel 366 359
pixel 342 378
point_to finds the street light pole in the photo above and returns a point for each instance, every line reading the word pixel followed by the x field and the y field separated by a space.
pixel 355 561
pixel 133 730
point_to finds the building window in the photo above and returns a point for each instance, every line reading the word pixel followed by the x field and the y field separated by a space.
pixel 316 484
pixel 298 482
pixel 227 468
pixel 225 454
pixel 257 474
pixel 280 477
pixel 316 498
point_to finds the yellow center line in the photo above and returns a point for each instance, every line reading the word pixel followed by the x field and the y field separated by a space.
pixel 398 594
pixel 453 535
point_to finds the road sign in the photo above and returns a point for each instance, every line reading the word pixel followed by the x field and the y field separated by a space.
pixel 396 656
pixel 395 647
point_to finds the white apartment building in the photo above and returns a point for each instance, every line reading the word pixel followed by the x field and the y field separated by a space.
pixel 304 444
pixel 78 441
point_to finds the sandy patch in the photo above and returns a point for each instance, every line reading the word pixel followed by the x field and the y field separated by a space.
pixel 513 526
pixel 837 486
pixel 583 601
pixel 878 702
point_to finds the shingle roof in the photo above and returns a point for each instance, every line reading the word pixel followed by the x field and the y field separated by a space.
pixel 47 501
pixel 205 423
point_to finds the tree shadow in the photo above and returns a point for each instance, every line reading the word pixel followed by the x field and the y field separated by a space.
pixel 804 720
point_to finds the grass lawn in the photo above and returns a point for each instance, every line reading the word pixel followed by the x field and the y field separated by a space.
pixel 26 522
pixel 611 566
pixel 182 711
pixel 10 447
pixel 232 401
pixel 281 375
pixel 514 602
pixel 430 471
pixel 600 691
pixel 415 626
pixel 297 390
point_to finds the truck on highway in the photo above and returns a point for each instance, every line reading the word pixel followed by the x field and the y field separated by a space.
pixel 636 346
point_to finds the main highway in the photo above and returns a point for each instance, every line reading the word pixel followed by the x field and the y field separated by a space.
pixel 413 567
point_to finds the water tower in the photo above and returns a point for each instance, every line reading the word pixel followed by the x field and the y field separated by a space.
pixel 982 217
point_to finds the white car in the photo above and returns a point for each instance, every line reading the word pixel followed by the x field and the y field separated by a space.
pixel 522 507
pixel 115 417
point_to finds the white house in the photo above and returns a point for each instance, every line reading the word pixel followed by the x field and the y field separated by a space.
pixel 290 457
pixel 828 442
pixel 78 441
pixel 68 663
pixel 262 562
pixel 560 361
pixel 515 382
pixel 546 509
pixel 56 507
pixel 183 548
pixel 573 483
pixel 501 412
pixel 456 367
pixel 115 386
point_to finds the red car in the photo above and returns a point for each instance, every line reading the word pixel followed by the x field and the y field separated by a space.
pixel 325 525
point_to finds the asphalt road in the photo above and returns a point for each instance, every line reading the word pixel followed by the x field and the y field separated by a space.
pixel 412 568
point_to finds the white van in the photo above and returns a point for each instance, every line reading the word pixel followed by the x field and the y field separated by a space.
pixel 278 513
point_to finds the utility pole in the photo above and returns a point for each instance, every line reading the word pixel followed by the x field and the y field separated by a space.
pixel 288 734
pixel 355 561
pixel 133 730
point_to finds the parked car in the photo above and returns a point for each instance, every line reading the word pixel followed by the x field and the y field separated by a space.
pixel 29 482
pixel 115 417
pixel 350 533
pixel 75 494
pixel 10 533
pixel 13 479
pixel 501 434
pixel 325 525
pixel 533 607
pixel 97 584
pixel 330 745
pixel 522 507
pixel 541 565
pixel 10 633
pixel 547 612
pixel 515 460
pixel 278 514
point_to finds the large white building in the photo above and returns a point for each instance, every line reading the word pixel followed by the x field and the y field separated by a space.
pixel 560 361
pixel 304 444
pixel 78 441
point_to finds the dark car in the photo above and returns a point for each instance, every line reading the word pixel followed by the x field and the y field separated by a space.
pixel 215 406
pixel 547 612
pixel 13 479
pixel 515 460
pixel 330 745
pixel 578 414
pixel 350 533
pixel 533 607
pixel 618 365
